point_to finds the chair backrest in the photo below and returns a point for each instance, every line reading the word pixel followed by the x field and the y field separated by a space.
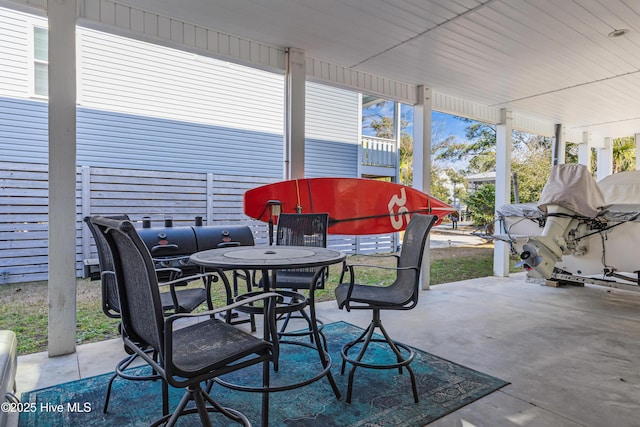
pixel 139 296
pixel 302 229
pixel 110 303
pixel 413 243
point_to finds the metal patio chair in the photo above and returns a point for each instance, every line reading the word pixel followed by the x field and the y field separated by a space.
pixel 301 230
pixel 402 294
pixel 188 353
pixel 175 300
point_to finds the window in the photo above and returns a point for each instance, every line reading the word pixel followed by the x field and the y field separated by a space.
pixel 40 61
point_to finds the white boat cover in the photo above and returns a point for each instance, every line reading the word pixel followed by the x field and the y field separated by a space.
pixel 622 187
pixel 619 212
pixel 526 210
pixel 572 187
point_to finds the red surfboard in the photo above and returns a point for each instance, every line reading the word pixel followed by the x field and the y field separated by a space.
pixel 355 205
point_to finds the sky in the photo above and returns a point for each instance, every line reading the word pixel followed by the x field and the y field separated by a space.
pixel 443 125
pixel 449 124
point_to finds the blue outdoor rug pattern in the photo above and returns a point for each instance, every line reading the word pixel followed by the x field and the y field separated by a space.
pixel 380 397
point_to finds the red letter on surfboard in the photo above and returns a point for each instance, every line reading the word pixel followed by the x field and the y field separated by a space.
pixel 396 217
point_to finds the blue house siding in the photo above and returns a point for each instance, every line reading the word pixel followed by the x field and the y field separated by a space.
pixel 23 130
pixel 332 131
pixel 147 106
pixel 328 158
pixel 136 142
pixel 126 141
pixel 110 139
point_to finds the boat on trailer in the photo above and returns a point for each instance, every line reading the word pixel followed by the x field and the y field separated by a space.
pixel 580 231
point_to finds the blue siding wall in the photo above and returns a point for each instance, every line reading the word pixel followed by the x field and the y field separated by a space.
pixel 135 142
pixel 118 140
pixel 126 141
pixel 328 158
pixel 23 130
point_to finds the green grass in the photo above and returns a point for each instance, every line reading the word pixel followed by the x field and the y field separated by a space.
pixel 23 307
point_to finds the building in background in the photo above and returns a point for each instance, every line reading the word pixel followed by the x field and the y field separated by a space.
pixel 160 131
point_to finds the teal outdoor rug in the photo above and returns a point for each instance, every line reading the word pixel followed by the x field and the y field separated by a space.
pixel 380 397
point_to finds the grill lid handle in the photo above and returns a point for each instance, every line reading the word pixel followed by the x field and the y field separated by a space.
pixel 228 244
pixel 159 247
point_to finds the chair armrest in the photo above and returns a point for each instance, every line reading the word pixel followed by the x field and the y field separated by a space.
pixel 271 299
pixel 207 278
pixel 169 369
pixel 246 301
pixel 381 255
pixel 213 275
pixel 382 267
pixel 389 255
pixel 269 316
pixel 345 265
pixel 172 270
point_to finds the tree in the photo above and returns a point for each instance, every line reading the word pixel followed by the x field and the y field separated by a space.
pixel 479 149
pixel 624 154
pixel 481 206
pixel 406 157
pixel 459 184
pixel 383 127
pixel 439 187
pixel 571 152
pixel 531 156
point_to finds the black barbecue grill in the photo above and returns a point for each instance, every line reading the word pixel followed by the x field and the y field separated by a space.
pixel 172 246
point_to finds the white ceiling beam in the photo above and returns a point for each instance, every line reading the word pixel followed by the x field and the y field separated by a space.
pixel 114 17
pixel 111 16
pixel 483 113
pixel 125 20
pixel 27 5
pixel 359 81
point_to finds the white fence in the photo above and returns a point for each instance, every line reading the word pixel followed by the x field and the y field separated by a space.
pixel 138 193
pixel 378 152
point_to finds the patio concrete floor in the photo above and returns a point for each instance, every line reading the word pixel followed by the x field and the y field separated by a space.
pixel 570 353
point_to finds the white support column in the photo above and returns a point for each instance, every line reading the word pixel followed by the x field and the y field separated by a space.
pixel 559 147
pixel 605 159
pixel 295 86
pixel 504 146
pixel 62 176
pixel 584 150
pixel 397 132
pixel 422 161
pixel 359 162
pixel 636 138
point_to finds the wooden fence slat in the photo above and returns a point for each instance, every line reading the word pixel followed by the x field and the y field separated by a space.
pixel 120 179
pixel 146 173
pixel 138 193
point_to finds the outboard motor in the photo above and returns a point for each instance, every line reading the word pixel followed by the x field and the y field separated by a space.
pixel 570 193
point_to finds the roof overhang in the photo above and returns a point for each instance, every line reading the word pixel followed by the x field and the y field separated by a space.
pixel 547 62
